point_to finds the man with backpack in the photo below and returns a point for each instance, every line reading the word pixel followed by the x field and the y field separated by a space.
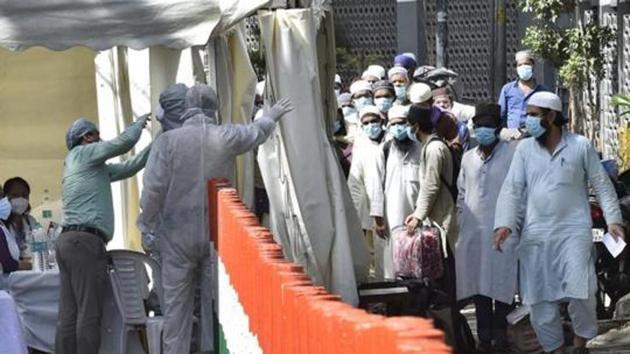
pixel 395 190
pixel 436 204
pixel 436 200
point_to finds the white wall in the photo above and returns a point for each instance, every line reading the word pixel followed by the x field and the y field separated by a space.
pixel 41 93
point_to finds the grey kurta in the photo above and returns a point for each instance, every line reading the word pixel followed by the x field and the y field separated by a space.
pixel 555 251
pixel 435 202
pixel 480 269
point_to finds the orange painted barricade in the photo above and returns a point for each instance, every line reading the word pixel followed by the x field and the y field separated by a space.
pixel 287 313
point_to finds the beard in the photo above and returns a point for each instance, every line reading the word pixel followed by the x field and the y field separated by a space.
pixel 403 144
pixel 542 140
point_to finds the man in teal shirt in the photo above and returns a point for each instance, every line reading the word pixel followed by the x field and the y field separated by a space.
pixel 88 225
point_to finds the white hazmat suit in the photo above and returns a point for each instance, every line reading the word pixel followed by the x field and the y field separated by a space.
pixel 174 205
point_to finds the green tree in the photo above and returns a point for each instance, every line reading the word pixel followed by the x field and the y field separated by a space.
pixel 576 49
pixel 354 64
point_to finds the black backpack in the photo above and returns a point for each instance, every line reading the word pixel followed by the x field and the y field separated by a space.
pixel 456 157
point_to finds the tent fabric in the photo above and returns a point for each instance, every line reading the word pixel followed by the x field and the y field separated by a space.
pixel 312 215
pixel 236 86
pixel 61 24
pixel 115 114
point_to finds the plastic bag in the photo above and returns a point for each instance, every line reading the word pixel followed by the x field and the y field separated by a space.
pixel 419 255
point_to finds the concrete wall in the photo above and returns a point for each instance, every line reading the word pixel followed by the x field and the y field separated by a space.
pixel 41 93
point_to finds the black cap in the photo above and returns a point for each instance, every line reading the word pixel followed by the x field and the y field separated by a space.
pixel 420 116
pixel 488 109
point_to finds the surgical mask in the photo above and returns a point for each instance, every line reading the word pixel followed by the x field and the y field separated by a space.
pixel 347 111
pixel 350 114
pixel 486 135
pixel 525 72
pixel 19 205
pixel 412 135
pixel 399 131
pixel 362 102
pixel 373 130
pixel 401 92
pixel 5 208
pixel 383 104
pixel 337 92
pixel 534 126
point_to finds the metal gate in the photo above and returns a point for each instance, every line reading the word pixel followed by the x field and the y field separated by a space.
pixel 609 122
pixel 367 30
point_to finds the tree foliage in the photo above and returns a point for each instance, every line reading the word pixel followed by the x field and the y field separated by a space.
pixel 575 49
pixel 355 63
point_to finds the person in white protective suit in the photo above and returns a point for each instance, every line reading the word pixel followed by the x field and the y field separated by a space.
pixel 484 275
pixel 549 177
pixel 174 204
pixel 363 168
pixel 171 107
pixel 395 190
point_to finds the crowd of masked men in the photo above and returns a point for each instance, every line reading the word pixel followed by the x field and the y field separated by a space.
pixel 500 190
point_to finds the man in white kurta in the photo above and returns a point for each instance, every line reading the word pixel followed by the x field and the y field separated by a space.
pixel 483 274
pixel 550 175
pixel 395 190
pixel 363 167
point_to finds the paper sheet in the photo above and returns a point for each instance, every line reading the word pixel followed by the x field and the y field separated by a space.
pixel 614 247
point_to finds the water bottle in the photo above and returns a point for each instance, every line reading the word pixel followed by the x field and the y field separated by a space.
pixel 38 249
pixel 53 233
pixel 47 214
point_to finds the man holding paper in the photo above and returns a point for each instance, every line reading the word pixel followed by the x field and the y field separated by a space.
pixel 545 199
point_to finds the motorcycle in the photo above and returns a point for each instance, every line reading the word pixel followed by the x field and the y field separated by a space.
pixel 613 274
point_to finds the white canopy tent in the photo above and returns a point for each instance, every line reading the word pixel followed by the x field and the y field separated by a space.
pixel 100 25
pixel 143 47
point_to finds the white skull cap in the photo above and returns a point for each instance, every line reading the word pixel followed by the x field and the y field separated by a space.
pixel 398 111
pixel 395 71
pixel 360 85
pixel 546 100
pixel 419 93
pixel 369 110
pixel 376 70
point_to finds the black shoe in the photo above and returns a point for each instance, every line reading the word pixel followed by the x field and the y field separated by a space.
pixel 579 351
pixel 484 348
pixel 500 347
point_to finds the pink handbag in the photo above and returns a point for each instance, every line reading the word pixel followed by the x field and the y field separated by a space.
pixel 419 255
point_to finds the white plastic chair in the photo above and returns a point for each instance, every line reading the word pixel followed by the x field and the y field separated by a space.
pixel 129 280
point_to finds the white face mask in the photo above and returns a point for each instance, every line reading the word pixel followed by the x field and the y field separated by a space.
pixel 19 205
pixel 5 208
